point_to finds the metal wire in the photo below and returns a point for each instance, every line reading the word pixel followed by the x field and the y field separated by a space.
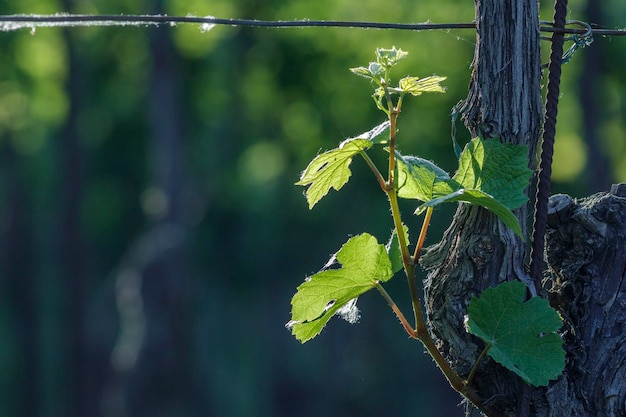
pixel 13 22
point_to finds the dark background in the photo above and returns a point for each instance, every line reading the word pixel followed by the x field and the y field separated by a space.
pixel 151 236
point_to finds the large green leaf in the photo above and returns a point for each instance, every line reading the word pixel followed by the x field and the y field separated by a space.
pixel 496 168
pixel 363 263
pixel 521 335
pixel 421 179
pixel 479 198
pixel 332 168
pixel 491 174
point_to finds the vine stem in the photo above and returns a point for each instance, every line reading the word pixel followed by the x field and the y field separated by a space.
pixel 377 174
pixel 407 261
pixel 478 361
pixel 422 237
pixel 455 381
pixel 420 331
pixel 394 111
pixel 396 309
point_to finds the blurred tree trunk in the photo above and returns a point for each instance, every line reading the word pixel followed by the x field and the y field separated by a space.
pixel 82 397
pixel 592 97
pixel 18 279
pixel 585 244
pixel 161 383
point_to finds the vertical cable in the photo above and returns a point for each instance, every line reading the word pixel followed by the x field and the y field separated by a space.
pixel 547 144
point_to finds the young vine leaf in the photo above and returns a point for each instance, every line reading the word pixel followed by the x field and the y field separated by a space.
pixel 520 335
pixel 364 262
pixel 332 168
pixel 421 179
pixel 491 174
pixel 416 86
pixel 390 57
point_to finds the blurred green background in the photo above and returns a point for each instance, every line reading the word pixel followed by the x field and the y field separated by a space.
pixel 151 236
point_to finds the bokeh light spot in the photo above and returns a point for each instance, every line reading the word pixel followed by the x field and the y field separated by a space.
pixel 569 157
pixel 154 202
pixel 261 163
pixel 42 57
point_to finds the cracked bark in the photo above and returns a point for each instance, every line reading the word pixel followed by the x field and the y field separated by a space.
pixel 586 253
pixel 478 251
pixel 585 245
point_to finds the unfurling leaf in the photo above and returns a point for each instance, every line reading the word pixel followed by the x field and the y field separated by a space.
pixel 416 86
pixel 375 132
pixel 364 262
pixel 375 69
pixel 362 71
pixel 390 57
pixel 521 335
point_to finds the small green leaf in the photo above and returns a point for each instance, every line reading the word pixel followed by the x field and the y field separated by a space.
pixel 362 71
pixel 390 57
pixel 416 86
pixel 363 263
pixel 331 169
pixel 373 71
pixel 521 335
pixel 375 132
pixel 376 69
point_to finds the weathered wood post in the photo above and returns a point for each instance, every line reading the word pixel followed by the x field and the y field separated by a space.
pixel 477 251
pixel 585 246
pixel 586 253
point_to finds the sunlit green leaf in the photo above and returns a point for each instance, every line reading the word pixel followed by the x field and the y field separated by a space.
pixel 419 178
pixel 479 198
pixel 491 174
pixel 362 71
pixel 496 168
pixel 376 69
pixel 390 57
pixel 363 262
pixel 374 134
pixel 331 169
pixel 521 335
pixel 416 86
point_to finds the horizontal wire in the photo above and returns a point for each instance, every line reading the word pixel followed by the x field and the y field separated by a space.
pixel 130 20
pixel 13 22
pixel 580 31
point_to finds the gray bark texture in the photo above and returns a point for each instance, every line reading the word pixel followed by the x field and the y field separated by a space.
pixel 478 251
pixel 585 246
pixel 586 253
